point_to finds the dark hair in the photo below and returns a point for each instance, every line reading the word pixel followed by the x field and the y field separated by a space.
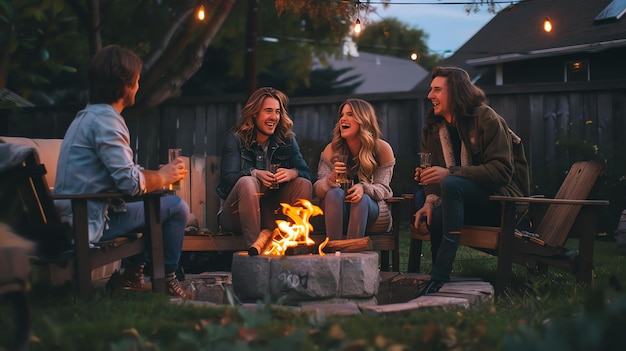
pixel 463 95
pixel 245 128
pixel 112 69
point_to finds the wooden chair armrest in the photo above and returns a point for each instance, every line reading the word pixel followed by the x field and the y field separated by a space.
pixel 394 199
pixel 543 200
pixel 126 197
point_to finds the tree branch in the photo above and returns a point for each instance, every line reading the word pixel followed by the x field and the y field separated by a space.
pixel 190 63
pixel 180 20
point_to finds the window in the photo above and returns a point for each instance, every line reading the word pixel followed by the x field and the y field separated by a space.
pixel 577 71
pixel 613 12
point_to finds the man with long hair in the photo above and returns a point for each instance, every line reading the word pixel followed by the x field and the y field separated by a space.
pixel 252 194
pixel 369 166
pixel 96 157
pixel 474 155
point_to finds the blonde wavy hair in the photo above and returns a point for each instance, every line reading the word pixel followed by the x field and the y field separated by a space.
pixel 369 133
pixel 245 128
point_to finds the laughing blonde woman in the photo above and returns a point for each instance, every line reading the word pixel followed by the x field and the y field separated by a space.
pixel 369 165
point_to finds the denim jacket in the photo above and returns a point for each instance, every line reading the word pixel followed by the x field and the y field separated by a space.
pixel 237 161
pixel 96 157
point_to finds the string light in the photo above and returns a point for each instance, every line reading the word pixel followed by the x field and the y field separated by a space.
pixel 357 26
pixel 547 25
pixel 201 13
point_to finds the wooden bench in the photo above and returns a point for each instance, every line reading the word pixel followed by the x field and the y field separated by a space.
pixel 198 190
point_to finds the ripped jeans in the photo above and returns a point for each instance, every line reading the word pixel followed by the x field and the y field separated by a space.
pixel 463 201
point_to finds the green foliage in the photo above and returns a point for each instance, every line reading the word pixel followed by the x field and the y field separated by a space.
pixel 536 313
pixel 392 37
pixel 288 40
pixel 600 326
pixel 41 38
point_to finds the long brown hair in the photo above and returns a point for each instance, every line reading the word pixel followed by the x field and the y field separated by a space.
pixel 463 95
pixel 245 128
pixel 369 133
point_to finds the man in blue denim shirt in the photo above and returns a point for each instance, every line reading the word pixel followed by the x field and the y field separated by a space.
pixel 261 137
pixel 96 157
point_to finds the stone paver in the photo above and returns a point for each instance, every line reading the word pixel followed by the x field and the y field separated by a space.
pixel 396 293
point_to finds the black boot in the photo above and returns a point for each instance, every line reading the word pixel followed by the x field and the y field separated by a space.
pixel 442 267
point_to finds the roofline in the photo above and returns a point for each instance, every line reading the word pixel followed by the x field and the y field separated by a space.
pixel 546 52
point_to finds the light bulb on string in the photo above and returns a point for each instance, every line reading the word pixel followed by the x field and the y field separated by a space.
pixel 201 13
pixel 357 26
pixel 547 25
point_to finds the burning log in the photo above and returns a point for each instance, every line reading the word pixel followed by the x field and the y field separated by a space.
pixel 261 243
pixel 349 245
pixel 343 245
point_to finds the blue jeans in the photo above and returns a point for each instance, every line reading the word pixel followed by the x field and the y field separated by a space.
pixel 462 202
pixel 344 217
pixel 174 215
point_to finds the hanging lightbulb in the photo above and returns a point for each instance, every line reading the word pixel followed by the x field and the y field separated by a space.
pixel 357 26
pixel 547 25
pixel 201 13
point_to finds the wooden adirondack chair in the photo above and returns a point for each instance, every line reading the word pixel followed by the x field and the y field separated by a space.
pixel 27 205
pixel 569 215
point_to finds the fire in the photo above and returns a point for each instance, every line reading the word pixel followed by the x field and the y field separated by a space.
pixel 291 234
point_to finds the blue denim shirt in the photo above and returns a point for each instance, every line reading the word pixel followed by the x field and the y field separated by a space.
pixel 237 161
pixel 96 157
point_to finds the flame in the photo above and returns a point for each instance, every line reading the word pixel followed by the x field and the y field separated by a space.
pixel 322 246
pixel 291 234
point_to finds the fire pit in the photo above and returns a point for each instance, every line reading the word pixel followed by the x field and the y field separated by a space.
pixel 265 270
pixel 350 276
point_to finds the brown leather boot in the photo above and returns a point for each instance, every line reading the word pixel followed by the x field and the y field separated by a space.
pixel 174 288
pixel 132 277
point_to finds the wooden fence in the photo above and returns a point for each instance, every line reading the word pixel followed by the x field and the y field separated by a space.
pixel 558 127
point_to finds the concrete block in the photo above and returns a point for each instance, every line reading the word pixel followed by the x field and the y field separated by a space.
pixel 306 277
pixel 360 276
pixel 251 275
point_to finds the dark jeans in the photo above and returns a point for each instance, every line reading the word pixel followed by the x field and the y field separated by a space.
pixel 174 215
pixel 462 202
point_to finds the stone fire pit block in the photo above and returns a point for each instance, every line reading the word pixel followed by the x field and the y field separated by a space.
pixel 306 277
pixel 360 276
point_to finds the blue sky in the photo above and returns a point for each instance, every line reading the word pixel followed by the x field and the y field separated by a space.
pixel 448 26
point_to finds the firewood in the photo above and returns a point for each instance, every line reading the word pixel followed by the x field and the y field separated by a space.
pixel 349 245
pixel 261 243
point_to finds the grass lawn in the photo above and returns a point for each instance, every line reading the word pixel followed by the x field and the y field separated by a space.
pixel 537 313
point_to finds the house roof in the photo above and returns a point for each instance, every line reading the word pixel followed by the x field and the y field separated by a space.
pixel 516 33
pixel 380 73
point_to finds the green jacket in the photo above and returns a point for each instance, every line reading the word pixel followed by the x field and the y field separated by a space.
pixel 493 155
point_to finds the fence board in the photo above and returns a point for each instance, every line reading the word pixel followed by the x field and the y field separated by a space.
pixel 200 126
pixel 197 178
